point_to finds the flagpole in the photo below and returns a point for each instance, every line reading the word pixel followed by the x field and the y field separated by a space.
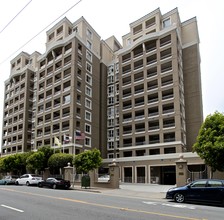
pixel 73 159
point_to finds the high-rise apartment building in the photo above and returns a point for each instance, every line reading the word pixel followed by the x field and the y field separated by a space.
pixel 140 103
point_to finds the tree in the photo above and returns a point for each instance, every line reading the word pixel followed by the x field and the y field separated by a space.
pixel 87 161
pixel 2 165
pixel 15 163
pixel 48 151
pixel 59 160
pixel 210 142
pixel 35 162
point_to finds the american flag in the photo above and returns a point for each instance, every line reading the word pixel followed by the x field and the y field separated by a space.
pixel 79 135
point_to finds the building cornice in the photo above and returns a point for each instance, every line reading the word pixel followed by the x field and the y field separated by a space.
pixel 151 36
pixel 176 156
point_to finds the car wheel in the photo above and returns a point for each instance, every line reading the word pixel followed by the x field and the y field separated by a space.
pixel 178 197
pixel 16 183
pixel 54 186
pixel 40 185
pixel 27 183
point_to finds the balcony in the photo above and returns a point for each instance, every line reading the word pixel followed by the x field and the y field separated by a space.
pixel 169 140
pixel 151 59
pixel 139 117
pixel 127 107
pixel 140 129
pixel 165 41
pixel 138 51
pixel 139 101
pixel 166 67
pixel 154 141
pixel 138 65
pixel 138 91
pixel 156 127
pixel 152 100
pixel 150 46
pixel 127 132
pixel 126 80
pixel 165 54
pixel 169 96
pixel 126 69
pixel 127 95
pixel 126 58
pixel 138 77
pixel 167 111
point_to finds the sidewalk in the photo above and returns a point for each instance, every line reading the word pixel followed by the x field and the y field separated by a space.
pixel 147 191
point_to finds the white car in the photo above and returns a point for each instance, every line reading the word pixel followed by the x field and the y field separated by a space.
pixel 104 178
pixel 28 179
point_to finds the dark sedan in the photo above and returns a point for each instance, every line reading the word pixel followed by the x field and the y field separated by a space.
pixel 204 191
pixel 55 183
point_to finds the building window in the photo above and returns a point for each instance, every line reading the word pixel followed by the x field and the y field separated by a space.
pixel 110 133
pixel 88 128
pixel 88 116
pixel 89 56
pixel 75 29
pixel 110 90
pixel 111 100
pixel 88 103
pixel 110 111
pixel 88 79
pixel 110 79
pixel 88 91
pixel 59 30
pixel 128 41
pixel 89 44
pixel 89 67
pixel 87 141
pixel 169 150
pixel 66 99
pixel 80 48
pixel 110 156
pixel 110 122
pixel 110 145
pixel 89 34
pixel 166 22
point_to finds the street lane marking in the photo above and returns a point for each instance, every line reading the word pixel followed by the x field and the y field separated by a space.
pixel 170 205
pixel 106 206
pixel 9 207
pixel 178 206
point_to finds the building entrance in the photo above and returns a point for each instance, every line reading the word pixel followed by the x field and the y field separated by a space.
pixel 140 174
pixel 168 175
pixel 128 174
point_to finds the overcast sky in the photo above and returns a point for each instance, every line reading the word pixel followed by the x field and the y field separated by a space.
pixel 113 18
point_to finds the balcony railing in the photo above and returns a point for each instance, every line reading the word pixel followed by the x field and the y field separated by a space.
pixel 169 139
pixel 168 111
pixel 156 127
pixel 168 125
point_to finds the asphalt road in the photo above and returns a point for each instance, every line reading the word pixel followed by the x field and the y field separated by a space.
pixel 22 203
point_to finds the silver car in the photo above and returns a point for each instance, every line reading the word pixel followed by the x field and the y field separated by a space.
pixel 28 179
